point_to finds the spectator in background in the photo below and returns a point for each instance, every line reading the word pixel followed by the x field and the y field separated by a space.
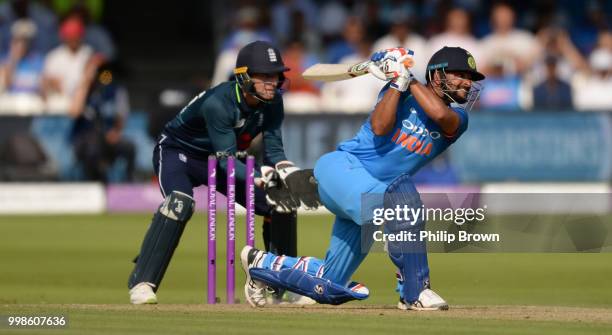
pixel 389 10
pixel 504 91
pixel 457 33
pixel 556 43
pixel 299 29
pixel 44 19
pixel 96 35
pixel 401 35
pixel 302 95
pixel 332 21
pixel 590 18
pixel 63 7
pixel 21 68
pixel 298 59
pixel 64 66
pixel 352 36
pixel 355 95
pixel 593 92
pixel 554 93
pixel 604 40
pixel 370 12
pixel 515 48
pixel 283 13
pixel 100 108
pixel 247 31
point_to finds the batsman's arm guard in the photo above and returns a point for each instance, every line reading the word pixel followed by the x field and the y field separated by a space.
pixel 320 290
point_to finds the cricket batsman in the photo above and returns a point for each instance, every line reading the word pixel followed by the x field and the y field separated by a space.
pixel 223 119
pixel 411 124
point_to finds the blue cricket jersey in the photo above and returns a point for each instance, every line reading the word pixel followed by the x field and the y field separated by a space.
pixel 414 141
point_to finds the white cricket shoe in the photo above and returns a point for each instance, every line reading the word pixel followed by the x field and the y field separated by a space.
pixel 254 290
pixel 143 293
pixel 428 301
pixel 291 298
pixel 259 294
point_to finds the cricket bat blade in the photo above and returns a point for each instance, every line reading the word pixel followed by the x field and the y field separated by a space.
pixel 336 72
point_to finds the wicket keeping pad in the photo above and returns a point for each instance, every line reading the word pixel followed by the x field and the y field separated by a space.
pixel 320 290
pixel 162 239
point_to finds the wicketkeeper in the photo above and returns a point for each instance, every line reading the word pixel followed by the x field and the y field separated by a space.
pixel 223 119
pixel 411 124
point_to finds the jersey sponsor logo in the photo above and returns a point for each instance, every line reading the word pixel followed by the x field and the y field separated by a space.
pixel 183 158
pixel 272 55
pixel 420 131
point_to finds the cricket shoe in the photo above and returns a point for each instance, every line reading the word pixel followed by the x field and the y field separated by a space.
pixel 292 298
pixel 255 291
pixel 143 293
pixel 285 297
pixel 428 301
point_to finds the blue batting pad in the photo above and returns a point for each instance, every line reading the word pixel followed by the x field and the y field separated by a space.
pixel 321 290
pixel 409 257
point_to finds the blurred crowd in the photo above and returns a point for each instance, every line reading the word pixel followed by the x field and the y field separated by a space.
pixel 56 59
pixel 48 51
pixel 541 55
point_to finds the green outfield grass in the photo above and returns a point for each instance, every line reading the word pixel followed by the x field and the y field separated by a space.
pixel 52 261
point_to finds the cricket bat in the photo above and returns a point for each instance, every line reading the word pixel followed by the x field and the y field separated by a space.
pixel 337 72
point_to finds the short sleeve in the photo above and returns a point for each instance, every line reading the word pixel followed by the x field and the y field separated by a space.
pixel 463 123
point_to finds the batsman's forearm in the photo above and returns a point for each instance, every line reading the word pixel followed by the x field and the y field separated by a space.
pixel 383 117
pixel 434 107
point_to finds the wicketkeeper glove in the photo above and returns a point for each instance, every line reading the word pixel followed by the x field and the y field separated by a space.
pixel 301 183
pixel 277 193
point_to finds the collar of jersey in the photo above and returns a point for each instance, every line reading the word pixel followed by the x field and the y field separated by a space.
pixel 242 105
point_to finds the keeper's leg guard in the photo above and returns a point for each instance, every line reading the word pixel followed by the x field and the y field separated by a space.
pixel 161 239
pixel 281 231
pixel 320 290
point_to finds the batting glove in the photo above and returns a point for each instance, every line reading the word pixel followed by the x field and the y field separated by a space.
pixel 402 81
pixel 392 62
